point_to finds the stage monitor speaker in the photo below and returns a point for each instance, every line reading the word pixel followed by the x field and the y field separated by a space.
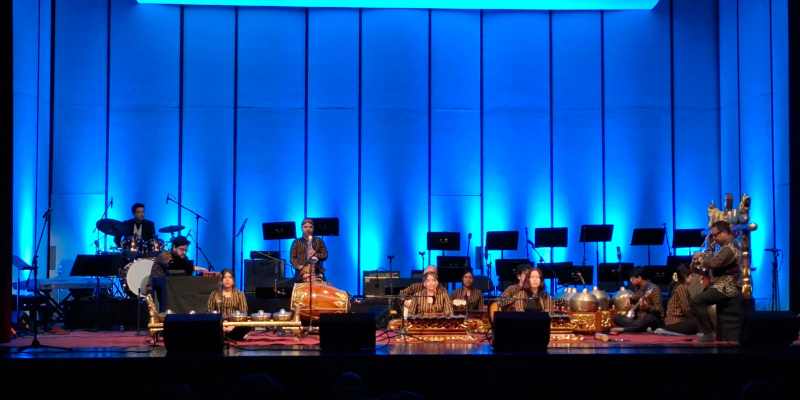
pixel 770 329
pixel 521 332
pixel 347 332
pixel 193 333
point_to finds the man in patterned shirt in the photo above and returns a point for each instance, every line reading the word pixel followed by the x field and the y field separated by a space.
pixel 724 290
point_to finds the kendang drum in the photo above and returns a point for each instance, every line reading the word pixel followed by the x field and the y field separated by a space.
pixel 136 276
pixel 324 299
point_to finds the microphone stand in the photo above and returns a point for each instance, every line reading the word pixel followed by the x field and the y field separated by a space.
pixel 35 344
pixel 240 233
pixel 197 218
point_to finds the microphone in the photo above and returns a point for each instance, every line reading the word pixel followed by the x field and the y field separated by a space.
pixel 619 254
pixel 241 228
pixel 111 203
pixel 168 198
pixel 469 236
pixel 47 213
pixel 390 258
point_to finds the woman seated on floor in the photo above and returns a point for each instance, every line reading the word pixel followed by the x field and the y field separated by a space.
pixel 227 300
pixel 532 296
pixel 679 318
pixel 432 300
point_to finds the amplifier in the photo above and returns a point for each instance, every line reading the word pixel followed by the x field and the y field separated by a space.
pixel 385 285
pixel 261 273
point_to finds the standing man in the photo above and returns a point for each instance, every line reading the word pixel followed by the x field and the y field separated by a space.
pixel 137 228
pixel 724 291
pixel 308 253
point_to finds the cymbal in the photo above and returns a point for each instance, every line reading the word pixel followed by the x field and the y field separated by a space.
pixel 108 226
pixel 172 229
pixel 20 263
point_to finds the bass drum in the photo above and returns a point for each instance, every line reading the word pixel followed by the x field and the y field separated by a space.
pixel 136 276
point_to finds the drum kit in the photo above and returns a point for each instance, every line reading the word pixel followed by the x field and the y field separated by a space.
pixel 141 254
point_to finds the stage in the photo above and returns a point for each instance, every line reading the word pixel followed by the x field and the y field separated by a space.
pixel 662 365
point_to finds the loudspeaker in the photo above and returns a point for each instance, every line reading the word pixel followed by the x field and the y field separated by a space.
pixel 521 331
pixel 347 332
pixel 193 333
pixel 770 329
pixel 376 307
pixel 261 273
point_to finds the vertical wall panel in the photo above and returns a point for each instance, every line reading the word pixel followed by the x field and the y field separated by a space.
pixel 455 129
pixel 208 129
pixel 780 102
pixel 516 116
pixel 638 137
pixel 729 96
pixel 79 121
pixel 26 59
pixel 577 138
pixel 143 142
pixel 697 164
pixel 43 135
pixel 756 136
pixel 394 137
pixel 333 136
pixel 270 148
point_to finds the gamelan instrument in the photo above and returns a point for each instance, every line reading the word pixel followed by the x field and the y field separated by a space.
pixel 439 328
pixel 323 299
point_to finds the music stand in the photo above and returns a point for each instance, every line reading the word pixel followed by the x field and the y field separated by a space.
pixel 96 266
pixel 688 238
pixel 550 238
pixel 661 275
pixel 610 276
pixel 507 268
pixel 444 241
pixel 596 234
pixel 278 231
pixel 326 226
pixel 552 271
pixel 648 237
pixel 452 268
pixel 502 240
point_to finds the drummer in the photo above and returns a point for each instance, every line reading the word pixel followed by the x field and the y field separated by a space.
pixel 137 228
pixel 227 300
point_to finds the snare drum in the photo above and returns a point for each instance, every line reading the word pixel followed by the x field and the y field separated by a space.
pixel 136 276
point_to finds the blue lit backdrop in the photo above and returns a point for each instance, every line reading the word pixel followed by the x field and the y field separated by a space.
pixel 633 118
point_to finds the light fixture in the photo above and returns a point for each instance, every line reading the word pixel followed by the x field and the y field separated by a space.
pixel 434 4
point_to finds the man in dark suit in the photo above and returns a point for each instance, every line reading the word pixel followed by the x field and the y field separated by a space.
pixel 137 227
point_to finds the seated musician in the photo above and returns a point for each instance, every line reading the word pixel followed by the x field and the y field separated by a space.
pixel 174 261
pixel 646 302
pixel 432 300
pixel 522 272
pixel 226 300
pixel 138 227
pixel 416 287
pixel 468 293
pixel 679 318
pixel 308 253
pixel 532 296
